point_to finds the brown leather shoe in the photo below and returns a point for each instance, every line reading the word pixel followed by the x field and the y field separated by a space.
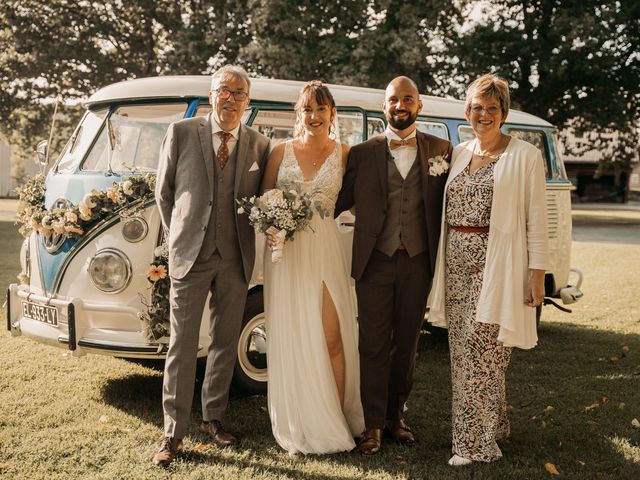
pixel 370 441
pixel 169 449
pixel 401 433
pixel 217 434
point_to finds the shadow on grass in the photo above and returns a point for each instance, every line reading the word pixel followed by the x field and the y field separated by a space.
pixel 137 394
pixel 569 398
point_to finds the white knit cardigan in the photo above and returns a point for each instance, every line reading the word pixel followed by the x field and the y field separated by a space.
pixel 517 243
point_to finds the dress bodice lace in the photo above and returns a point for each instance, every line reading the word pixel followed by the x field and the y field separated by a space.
pixel 325 184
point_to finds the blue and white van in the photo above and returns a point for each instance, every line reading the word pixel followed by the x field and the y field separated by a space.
pixel 88 289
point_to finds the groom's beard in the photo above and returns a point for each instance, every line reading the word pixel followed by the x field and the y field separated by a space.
pixel 402 124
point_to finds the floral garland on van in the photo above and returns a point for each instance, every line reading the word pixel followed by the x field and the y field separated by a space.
pixel 73 221
pixel 155 319
pixel 125 198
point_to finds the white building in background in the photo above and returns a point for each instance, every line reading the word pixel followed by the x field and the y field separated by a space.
pixel 7 184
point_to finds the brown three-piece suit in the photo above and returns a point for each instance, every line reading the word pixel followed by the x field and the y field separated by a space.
pixel 395 242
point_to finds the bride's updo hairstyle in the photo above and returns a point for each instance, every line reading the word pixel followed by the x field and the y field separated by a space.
pixel 318 91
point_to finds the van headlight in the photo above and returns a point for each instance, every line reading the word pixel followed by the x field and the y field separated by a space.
pixel 110 270
pixel 134 229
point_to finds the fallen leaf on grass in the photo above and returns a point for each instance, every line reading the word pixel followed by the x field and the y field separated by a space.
pixel 580 462
pixel 200 446
pixel 604 400
pixel 593 406
pixel 613 359
pixel 549 409
pixel 635 423
pixel 592 423
pixel 625 349
pixel 264 409
pixel 551 468
pixel 621 406
pixel 104 419
pixel 543 424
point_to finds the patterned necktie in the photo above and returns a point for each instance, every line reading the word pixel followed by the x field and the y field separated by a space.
pixel 407 142
pixel 223 151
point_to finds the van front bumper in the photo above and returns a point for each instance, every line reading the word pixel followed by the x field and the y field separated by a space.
pixel 64 323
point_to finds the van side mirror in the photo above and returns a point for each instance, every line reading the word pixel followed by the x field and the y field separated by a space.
pixel 41 151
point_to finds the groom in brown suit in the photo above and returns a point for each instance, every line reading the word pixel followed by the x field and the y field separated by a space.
pixel 397 196
pixel 205 164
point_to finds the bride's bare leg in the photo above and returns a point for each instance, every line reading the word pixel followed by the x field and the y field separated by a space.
pixel 333 337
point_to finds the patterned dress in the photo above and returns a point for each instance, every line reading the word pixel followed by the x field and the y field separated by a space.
pixel 478 361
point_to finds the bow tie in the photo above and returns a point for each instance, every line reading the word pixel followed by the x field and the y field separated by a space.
pixel 407 142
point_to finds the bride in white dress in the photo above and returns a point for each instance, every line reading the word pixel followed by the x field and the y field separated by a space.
pixel 312 335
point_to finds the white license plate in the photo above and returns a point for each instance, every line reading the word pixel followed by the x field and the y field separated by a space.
pixel 42 313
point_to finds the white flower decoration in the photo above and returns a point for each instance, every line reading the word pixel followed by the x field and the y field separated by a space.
pixel 438 165
pixel 126 187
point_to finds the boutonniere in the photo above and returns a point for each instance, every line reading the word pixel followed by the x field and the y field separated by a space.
pixel 438 165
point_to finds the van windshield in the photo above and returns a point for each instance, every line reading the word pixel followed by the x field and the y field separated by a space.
pixel 82 138
pixel 136 136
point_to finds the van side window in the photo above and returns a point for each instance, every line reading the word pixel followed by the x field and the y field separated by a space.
pixel 137 131
pixel 202 110
pixel 375 127
pixel 205 109
pixel 351 126
pixel 278 125
pixel 433 128
pixel 275 124
pixel 536 138
pixel 465 132
pixel 560 172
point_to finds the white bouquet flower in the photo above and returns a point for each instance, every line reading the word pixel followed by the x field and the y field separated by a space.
pixel 280 213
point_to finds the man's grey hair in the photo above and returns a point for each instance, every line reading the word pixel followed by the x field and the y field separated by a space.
pixel 233 71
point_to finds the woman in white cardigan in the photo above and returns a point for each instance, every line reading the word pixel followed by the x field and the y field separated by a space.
pixel 490 269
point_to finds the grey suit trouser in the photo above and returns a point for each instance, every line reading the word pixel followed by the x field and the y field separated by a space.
pixel 226 282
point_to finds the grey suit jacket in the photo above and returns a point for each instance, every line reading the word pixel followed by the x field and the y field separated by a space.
pixel 184 189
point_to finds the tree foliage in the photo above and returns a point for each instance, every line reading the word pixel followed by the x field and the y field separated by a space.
pixel 575 63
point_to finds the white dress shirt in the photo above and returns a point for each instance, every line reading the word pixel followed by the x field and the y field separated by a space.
pixel 404 156
pixel 231 143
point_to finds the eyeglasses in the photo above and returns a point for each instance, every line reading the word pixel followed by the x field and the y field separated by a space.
pixel 224 93
pixel 491 109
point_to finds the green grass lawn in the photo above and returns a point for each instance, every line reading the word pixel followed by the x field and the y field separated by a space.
pixel 572 401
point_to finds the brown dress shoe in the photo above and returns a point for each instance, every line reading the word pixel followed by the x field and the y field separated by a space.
pixel 169 449
pixel 370 441
pixel 217 434
pixel 401 433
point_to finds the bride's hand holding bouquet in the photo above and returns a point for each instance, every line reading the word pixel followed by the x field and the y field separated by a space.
pixel 279 213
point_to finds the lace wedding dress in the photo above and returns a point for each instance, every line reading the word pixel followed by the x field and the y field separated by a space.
pixel 304 405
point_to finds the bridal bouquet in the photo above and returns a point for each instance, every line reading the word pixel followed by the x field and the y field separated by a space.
pixel 280 212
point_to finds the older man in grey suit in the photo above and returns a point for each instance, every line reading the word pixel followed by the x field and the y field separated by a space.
pixel 205 164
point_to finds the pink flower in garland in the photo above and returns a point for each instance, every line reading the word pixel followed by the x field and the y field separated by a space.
pixel 156 272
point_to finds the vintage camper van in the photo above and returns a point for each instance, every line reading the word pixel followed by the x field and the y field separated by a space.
pixel 97 284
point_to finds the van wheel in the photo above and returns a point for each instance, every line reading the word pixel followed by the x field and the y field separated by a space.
pixel 250 370
pixel 538 315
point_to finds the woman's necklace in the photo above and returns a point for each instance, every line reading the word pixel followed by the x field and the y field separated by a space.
pixel 490 153
pixel 321 156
